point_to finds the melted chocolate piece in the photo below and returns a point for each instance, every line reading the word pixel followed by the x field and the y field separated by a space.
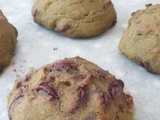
pixel 114 22
pixel 120 82
pixel 35 13
pixel 50 89
pixel 115 88
pixel 18 84
pixel 80 77
pixel 129 101
pixel 65 28
pixel 145 65
pixel 114 91
pixel 148 5
pixel 133 13
pixel 105 97
pixel 81 94
pixel 22 88
pixel 117 94
pixel 69 66
pixel 82 98
pixel 101 74
pixel 27 78
pixel 52 78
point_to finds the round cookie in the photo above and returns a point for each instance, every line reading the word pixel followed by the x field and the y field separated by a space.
pixel 140 42
pixel 69 89
pixel 8 35
pixel 75 18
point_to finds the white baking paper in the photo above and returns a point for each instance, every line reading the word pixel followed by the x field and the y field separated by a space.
pixel 38 46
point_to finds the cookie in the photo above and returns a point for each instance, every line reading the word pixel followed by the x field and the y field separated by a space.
pixel 8 39
pixel 75 18
pixel 140 42
pixel 69 89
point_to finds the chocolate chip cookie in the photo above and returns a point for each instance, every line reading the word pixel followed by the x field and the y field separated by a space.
pixel 8 39
pixel 69 89
pixel 75 18
pixel 140 42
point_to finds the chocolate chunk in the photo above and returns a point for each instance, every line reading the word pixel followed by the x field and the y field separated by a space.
pixel 145 65
pixel 35 13
pixel 104 97
pixel 148 5
pixel 18 84
pixel 50 89
pixel 65 28
pixel 101 74
pixel 133 13
pixel 114 22
pixel 23 88
pixel 52 78
pixel 129 101
pixel 27 78
pixel 67 84
pixel 115 88
pixel 80 94
pixel 79 77
pixel 114 91
pixel 65 65
pixel 120 82
pixel 117 94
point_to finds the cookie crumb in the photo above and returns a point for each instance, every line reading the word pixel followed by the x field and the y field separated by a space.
pixel 55 48
pixel 13 63
pixel 31 68
pixel 18 76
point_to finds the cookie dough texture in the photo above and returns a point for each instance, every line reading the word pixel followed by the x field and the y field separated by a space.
pixel 69 89
pixel 75 18
pixel 8 35
pixel 140 42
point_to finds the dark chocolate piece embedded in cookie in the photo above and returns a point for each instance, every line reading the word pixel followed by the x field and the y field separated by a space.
pixel 69 89
pixel 140 42
pixel 75 18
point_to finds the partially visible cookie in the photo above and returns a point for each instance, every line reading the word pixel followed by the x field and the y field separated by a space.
pixel 8 39
pixel 140 42
pixel 69 89
pixel 75 18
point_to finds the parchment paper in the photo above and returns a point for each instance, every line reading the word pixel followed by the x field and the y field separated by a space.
pixel 38 46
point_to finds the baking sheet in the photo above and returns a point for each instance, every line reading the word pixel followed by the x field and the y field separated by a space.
pixel 38 46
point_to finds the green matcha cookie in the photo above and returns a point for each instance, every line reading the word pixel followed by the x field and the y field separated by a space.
pixel 69 89
pixel 75 18
pixel 140 42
